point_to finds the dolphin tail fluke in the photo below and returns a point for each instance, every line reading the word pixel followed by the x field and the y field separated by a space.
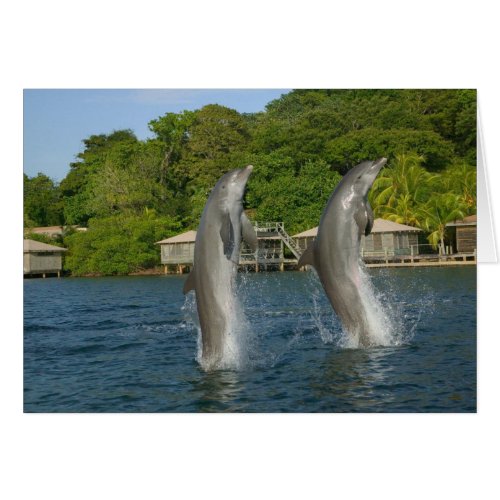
pixel 307 258
pixel 189 284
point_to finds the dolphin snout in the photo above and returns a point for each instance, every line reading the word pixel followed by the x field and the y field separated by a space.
pixel 376 166
pixel 245 173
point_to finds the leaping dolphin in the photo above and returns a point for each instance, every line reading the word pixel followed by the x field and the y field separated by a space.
pixel 222 226
pixel 335 251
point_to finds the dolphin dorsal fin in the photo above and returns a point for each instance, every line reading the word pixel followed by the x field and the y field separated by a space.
pixel 248 233
pixel 307 258
pixel 189 284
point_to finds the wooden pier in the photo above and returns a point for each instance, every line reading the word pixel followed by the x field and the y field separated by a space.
pixel 177 253
pixel 426 260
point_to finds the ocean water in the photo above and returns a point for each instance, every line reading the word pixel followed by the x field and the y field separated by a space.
pixel 130 344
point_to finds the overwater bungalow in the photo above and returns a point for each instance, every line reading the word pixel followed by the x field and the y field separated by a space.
pixel 177 252
pixel 387 239
pixel 304 239
pixel 464 234
pixel 40 259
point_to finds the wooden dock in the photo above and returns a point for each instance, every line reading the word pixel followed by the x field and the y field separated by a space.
pixel 278 251
pixel 425 260
pixel 249 262
pixel 426 263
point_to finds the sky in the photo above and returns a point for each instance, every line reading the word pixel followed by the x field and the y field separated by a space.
pixel 56 121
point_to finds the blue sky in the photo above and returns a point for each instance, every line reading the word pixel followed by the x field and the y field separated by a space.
pixel 57 120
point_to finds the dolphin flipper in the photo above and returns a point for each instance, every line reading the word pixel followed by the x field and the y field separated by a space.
pixel 227 236
pixel 189 284
pixel 364 219
pixel 248 233
pixel 307 258
pixel 369 223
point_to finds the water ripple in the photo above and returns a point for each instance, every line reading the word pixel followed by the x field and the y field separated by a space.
pixel 129 345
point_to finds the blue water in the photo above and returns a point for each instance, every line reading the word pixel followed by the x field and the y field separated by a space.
pixel 129 344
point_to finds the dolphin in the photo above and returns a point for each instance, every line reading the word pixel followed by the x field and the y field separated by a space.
pixel 335 251
pixel 222 226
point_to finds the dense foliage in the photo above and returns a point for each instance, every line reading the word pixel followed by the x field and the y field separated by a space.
pixel 118 244
pixel 131 193
pixel 42 202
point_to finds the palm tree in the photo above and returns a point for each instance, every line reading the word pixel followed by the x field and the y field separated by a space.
pixel 460 178
pixel 441 209
pixel 404 211
pixel 401 186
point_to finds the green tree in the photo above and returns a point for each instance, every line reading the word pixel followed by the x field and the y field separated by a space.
pixel 44 238
pixel 217 131
pixel 295 199
pixel 354 147
pixel 441 209
pixel 218 140
pixel 128 182
pixel 76 187
pixel 402 211
pixel 42 201
pixel 328 114
pixel 119 244
pixel 452 114
pixel 461 179
pixel 401 186
pixel 172 130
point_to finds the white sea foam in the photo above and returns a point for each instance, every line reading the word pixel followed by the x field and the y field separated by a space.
pixel 389 326
pixel 237 335
pixel 384 328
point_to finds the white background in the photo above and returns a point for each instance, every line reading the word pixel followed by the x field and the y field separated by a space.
pixel 260 44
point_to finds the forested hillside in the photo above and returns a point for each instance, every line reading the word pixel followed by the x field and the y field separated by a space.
pixel 131 193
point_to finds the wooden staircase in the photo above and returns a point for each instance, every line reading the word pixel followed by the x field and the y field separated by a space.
pixel 277 229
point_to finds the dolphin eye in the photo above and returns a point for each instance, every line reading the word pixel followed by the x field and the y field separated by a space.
pixel 223 186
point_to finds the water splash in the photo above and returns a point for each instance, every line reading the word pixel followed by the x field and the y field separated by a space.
pixel 235 355
pixel 325 326
pixel 237 335
pixel 304 316
pixel 385 327
pixel 391 324
pixel 192 322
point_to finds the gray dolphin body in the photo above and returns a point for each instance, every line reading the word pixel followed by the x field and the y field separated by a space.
pixel 335 251
pixel 216 256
